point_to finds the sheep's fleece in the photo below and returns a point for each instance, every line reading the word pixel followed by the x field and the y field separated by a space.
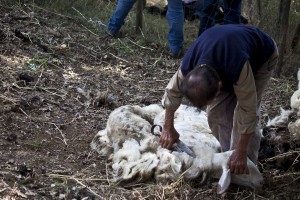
pixel 137 155
pixel 294 127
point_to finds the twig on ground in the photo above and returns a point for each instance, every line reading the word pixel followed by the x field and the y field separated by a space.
pixel 119 58
pixel 295 161
pixel 8 99
pixel 80 13
pixel 90 31
pixel 157 60
pixel 61 133
pixel 163 194
pixel 88 48
pixel 125 45
pixel 142 47
pixel 106 166
pixel 261 197
pixel 165 80
pixel 41 88
pixel 55 94
pixel 78 181
pixel 14 191
pixel 72 177
pixel 6 186
pixel 24 113
pixel 248 197
pixel 282 155
pixel 2 190
pixel 274 79
pixel 288 175
pixel 40 76
pixel 58 14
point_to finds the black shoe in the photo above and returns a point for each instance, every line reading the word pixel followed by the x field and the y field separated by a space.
pixel 177 55
pixel 104 28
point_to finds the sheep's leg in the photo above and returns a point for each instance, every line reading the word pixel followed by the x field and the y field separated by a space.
pixel 224 181
pixel 219 165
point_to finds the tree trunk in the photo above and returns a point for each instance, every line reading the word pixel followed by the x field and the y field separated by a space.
pixel 252 11
pixel 296 38
pixel 283 24
pixel 248 10
pixel 258 5
pixel 139 16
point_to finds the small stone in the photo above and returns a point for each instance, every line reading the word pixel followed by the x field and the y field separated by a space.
pixel 62 196
pixel 11 161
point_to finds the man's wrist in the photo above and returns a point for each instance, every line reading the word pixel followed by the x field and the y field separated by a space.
pixel 242 146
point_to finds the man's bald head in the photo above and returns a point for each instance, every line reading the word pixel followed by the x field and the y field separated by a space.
pixel 200 85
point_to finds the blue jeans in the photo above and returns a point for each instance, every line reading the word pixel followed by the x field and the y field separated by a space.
pixel 175 18
pixel 232 12
pixel 117 19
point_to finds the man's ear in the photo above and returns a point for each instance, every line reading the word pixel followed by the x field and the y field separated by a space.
pixel 219 88
pixel 220 84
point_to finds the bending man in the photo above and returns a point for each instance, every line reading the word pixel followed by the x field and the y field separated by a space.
pixel 227 68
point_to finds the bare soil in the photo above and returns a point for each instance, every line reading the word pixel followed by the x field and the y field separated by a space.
pixel 59 81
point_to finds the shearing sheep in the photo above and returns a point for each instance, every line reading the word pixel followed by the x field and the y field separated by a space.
pixel 137 155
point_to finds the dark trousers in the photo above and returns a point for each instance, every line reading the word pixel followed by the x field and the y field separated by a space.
pixel 232 12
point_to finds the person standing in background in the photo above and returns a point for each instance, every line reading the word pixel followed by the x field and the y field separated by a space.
pixel 232 13
pixel 175 18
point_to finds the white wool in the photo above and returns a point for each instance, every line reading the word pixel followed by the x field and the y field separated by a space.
pixel 280 120
pixel 160 4
pixel 128 122
pixel 149 144
pixel 169 167
pixel 295 98
pixel 137 154
pixel 294 129
pixel 295 101
pixel 129 162
pixel 193 127
pixel 201 165
pixel 102 144
pixel 129 152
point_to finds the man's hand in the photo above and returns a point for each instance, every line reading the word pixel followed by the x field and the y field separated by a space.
pixel 237 162
pixel 168 137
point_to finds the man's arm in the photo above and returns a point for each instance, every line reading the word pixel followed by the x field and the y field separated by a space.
pixel 246 115
pixel 171 101
pixel 238 160
pixel 169 134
